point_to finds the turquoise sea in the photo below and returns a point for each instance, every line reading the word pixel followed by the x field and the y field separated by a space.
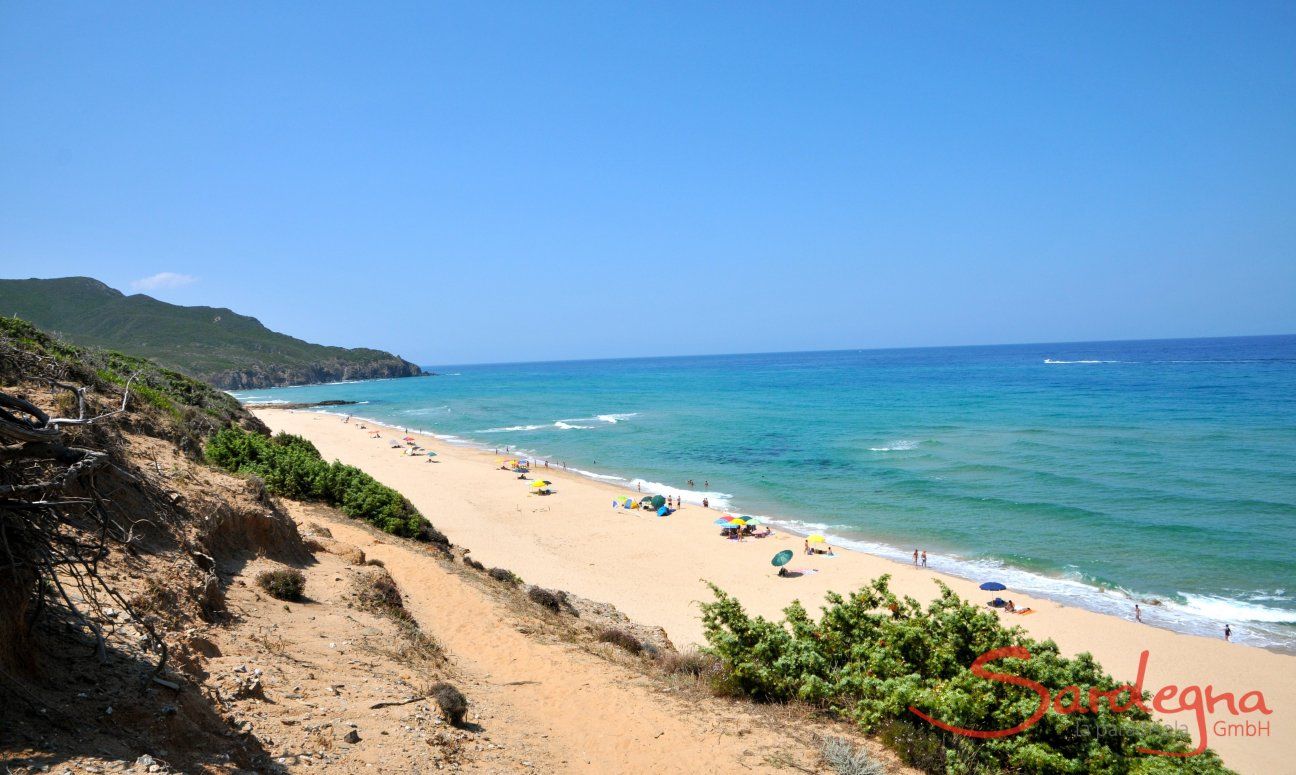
pixel 1097 474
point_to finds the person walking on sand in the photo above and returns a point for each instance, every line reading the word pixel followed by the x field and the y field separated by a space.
pixel 924 558
pixel 1228 633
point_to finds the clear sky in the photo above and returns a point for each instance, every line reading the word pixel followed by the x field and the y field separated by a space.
pixel 528 181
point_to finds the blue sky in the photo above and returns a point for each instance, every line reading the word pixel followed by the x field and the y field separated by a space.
pixel 499 181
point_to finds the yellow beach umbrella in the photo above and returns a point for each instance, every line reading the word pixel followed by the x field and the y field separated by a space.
pixel 816 539
pixel 541 483
pixel 736 522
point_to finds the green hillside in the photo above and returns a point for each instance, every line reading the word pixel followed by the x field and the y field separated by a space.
pixel 214 344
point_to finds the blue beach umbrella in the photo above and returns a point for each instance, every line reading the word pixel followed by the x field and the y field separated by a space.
pixel 993 586
pixel 724 522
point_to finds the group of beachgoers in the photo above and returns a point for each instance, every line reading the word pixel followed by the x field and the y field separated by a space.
pixel 743 532
pixel 530 463
pixel 410 448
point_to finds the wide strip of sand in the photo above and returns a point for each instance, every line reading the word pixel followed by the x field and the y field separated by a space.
pixel 654 569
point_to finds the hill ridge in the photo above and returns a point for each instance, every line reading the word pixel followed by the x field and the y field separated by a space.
pixel 215 344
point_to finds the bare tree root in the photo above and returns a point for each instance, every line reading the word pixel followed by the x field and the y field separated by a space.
pixel 55 524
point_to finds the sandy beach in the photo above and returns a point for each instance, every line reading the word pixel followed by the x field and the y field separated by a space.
pixel 654 569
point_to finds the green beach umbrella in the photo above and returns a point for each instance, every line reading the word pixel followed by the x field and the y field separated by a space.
pixel 658 501
pixel 782 558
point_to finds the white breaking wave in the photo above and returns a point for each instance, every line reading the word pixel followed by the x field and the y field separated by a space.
pixel 513 428
pixel 600 477
pixel 896 446
pixel 615 418
pixel 1050 360
pixel 569 427
pixel 1225 610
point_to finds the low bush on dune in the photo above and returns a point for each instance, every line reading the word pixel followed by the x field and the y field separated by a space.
pixel 546 598
pixel 292 467
pixel 503 574
pixel 619 637
pixel 846 759
pixel 451 702
pixel 378 592
pixel 871 656
pixel 283 584
pixel 696 664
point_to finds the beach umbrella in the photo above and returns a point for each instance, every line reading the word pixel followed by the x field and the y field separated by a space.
pixel 430 453
pixel 723 522
pixel 752 520
pixel 658 501
pixel 782 558
pixel 993 586
pixel 541 483
pixel 408 438
pixel 736 522
pixel 816 539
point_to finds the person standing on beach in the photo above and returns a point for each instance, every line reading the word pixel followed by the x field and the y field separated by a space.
pixel 915 556
pixel 1228 634
pixel 924 558
pixel 1138 613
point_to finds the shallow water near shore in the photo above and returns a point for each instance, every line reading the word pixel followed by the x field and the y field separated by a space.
pixel 1097 474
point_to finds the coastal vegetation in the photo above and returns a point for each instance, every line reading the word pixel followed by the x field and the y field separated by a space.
pixel 872 656
pixel 213 344
pixel 284 584
pixel 292 467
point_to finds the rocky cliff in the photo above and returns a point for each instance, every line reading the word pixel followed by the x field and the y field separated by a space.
pixel 325 371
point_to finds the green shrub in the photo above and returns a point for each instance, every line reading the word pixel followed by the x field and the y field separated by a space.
pixel 292 467
pixel 871 656
pixel 283 584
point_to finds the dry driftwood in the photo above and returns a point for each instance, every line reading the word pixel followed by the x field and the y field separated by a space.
pixel 54 527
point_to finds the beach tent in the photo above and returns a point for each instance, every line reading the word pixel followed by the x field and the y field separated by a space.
pixel 663 511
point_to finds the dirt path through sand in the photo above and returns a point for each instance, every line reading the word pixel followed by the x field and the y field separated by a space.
pixel 580 713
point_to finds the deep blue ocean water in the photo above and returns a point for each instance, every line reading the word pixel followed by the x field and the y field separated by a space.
pixel 1097 474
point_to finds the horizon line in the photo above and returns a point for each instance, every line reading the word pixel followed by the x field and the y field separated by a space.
pixel 856 349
